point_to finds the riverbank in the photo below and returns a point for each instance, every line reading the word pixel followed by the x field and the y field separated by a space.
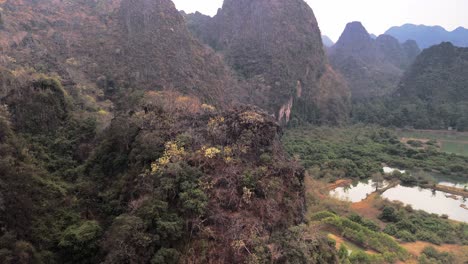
pixel 448 189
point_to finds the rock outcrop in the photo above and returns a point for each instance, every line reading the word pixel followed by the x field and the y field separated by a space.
pixel 276 46
pixel 113 45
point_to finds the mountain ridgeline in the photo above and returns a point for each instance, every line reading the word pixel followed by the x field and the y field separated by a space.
pixel 427 36
pixel 372 67
pixel 276 47
pixel 131 132
pixel 124 139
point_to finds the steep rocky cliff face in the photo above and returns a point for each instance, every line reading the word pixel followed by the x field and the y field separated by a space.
pixel 277 47
pixel 118 143
pixel 111 45
pixel 372 67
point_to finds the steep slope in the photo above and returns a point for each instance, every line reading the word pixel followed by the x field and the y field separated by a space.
pixel 372 67
pixel 427 36
pixel 108 45
pixel 203 186
pixel 438 75
pixel 276 46
pixel 431 95
pixel 118 144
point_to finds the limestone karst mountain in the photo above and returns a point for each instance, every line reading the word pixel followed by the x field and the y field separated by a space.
pixel 432 93
pixel 108 44
pixel 439 75
pixel 276 46
pixel 372 67
pixel 122 141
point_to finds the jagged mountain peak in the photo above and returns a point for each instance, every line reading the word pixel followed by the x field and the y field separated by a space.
pixel 262 38
pixel 355 39
pixel 353 33
pixel 372 67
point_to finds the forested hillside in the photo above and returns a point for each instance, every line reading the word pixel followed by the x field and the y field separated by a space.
pixel 432 93
pixel 123 139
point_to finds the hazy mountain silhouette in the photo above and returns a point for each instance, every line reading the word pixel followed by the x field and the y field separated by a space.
pixel 372 67
pixel 427 36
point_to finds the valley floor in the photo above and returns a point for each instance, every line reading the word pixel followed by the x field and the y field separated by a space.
pixel 337 157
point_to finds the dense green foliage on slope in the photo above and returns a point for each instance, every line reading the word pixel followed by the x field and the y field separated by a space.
pixel 432 94
pixel 364 236
pixel 410 225
pixel 169 176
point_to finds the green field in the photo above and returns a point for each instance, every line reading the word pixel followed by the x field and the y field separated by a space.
pixel 450 142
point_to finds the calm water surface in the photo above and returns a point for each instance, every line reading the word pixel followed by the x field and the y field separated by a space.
pixel 355 193
pixel 436 202
pixel 430 201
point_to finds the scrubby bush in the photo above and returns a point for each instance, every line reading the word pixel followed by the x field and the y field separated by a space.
pixel 415 143
pixel 411 225
pixel 389 214
pixel 362 235
pixel 405 236
pixel 431 256
pixel 80 242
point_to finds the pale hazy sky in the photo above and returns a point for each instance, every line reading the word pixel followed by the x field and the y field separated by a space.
pixel 376 15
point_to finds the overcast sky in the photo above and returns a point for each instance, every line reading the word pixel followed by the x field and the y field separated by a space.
pixel 376 15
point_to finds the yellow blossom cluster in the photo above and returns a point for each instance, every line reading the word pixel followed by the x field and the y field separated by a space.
pixel 228 154
pixel 210 152
pixel 172 153
pixel 238 244
pixel 215 121
pixel 247 195
pixel 250 117
pixel 208 108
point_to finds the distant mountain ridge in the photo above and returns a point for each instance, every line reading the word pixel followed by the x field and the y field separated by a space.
pixel 372 67
pixel 427 36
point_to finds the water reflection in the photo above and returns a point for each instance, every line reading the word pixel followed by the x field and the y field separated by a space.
pixel 431 201
pixel 356 193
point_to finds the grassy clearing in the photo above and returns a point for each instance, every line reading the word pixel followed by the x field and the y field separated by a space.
pixel 460 148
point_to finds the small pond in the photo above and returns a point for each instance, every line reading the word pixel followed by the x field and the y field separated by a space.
pixel 354 193
pixel 430 201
